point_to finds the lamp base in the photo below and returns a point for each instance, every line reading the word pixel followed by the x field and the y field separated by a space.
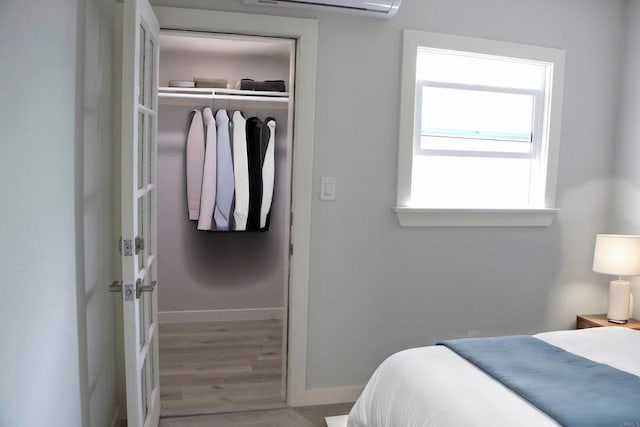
pixel 617 322
pixel 619 301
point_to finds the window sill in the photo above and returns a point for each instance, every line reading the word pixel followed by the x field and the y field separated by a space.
pixel 421 217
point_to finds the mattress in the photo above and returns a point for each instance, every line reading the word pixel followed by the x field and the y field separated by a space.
pixel 433 386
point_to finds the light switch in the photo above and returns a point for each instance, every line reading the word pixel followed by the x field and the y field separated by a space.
pixel 328 188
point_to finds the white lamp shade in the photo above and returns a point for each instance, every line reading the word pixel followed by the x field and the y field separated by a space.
pixel 617 254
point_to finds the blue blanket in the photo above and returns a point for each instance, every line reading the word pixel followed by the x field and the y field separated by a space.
pixel 572 390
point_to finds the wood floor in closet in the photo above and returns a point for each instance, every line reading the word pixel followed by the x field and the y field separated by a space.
pixel 220 367
pixel 306 416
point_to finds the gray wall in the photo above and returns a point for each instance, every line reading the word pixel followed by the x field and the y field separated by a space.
pixel 400 288
pixel 39 328
pixel 201 270
pixel 56 332
pixel 626 212
pixel 376 287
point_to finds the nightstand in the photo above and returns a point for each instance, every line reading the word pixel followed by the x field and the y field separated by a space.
pixel 584 321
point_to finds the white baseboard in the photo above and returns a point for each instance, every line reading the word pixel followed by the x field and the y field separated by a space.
pixel 115 420
pixel 338 421
pixel 220 315
pixel 326 396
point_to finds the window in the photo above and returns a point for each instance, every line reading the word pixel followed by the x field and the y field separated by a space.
pixel 479 131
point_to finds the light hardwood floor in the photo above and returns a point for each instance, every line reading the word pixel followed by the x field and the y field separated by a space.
pixel 220 367
pixel 227 374
pixel 307 416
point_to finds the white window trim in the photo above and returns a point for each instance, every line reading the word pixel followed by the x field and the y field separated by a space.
pixel 434 217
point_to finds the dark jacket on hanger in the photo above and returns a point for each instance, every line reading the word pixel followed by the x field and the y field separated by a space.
pixel 254 160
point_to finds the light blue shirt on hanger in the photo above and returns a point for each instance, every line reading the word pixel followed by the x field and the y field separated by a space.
pixel 225 181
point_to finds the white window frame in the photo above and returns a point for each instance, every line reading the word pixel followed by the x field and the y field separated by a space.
pixel 536 138
pixel 409 128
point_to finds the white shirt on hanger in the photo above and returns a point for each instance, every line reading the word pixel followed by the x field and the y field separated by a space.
pixel 268 173
pixel 195 164
pixel 240 171
pixel 208 198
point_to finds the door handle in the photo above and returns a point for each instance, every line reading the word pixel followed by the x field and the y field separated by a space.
pixel 140 288
pixel 115 286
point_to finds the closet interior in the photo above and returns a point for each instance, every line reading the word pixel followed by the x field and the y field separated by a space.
pixel 222 292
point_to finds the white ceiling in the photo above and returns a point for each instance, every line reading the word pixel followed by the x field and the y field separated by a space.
pixel 221 44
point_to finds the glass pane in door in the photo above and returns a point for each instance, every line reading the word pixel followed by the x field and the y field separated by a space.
pixel 150 148
pixel 148 90
pixel 142 67
pixel 153 301
pixel 141 148
pixel 151 358
pixel 142 317
pixel 145 397
pixel 152 76
pixel 147 147
pixel 148 243
pixel 141 229
pixel 145 307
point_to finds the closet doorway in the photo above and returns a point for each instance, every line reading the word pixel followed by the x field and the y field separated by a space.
pixel 295 302
pixel 222 303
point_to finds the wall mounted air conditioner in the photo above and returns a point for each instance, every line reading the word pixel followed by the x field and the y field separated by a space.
pixel 376 8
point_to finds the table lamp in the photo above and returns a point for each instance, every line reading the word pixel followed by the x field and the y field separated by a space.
pixel 618 255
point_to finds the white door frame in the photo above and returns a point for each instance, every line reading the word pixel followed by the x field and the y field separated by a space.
pixel 305 32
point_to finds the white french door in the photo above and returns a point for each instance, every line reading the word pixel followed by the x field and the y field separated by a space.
pixel 140 49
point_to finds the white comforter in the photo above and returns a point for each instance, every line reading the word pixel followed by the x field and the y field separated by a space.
pixel 432 386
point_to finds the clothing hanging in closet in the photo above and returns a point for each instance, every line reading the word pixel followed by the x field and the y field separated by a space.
pixel 208 193
pixel 235 170
pixel 225 183
pixel 254 160
pixel 195 164
pixel 241 172
pixel 268 174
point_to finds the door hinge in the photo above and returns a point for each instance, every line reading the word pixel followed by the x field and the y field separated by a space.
pixel 139 242
pixel 127 247
pixel 120 245
pixel 290 249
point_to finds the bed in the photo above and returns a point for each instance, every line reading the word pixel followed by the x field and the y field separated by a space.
pixel 435 386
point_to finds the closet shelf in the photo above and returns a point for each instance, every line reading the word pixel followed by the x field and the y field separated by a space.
pixel 220 93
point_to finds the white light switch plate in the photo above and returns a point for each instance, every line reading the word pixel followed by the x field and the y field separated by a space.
pixel 327 188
